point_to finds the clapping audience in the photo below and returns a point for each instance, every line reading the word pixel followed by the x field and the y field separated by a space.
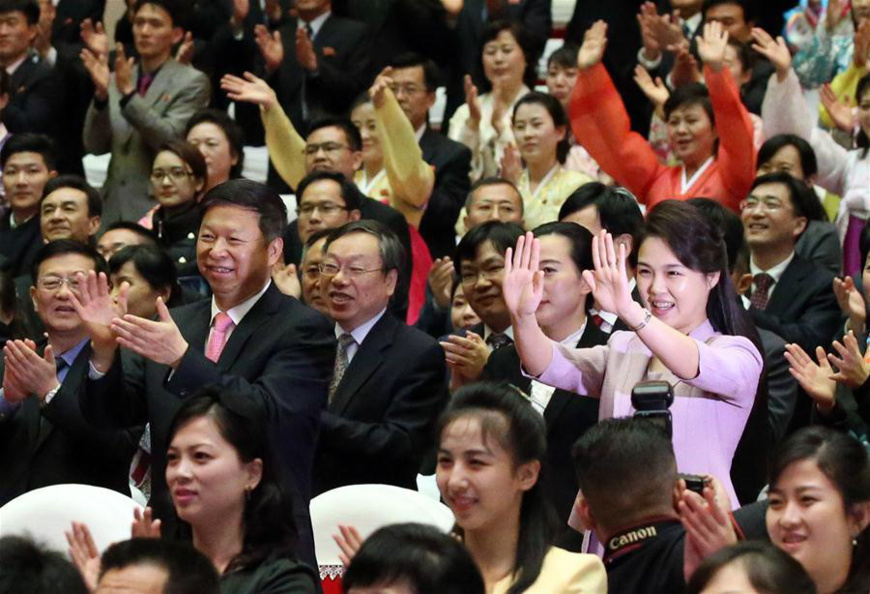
pixel 262 343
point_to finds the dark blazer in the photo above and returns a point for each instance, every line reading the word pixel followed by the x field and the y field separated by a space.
pixel 379 423
pixel 41 446
pixel 19 245
pixel 36 99
pixel 279 357
pixel 820 243
pixel 567 415
pixel 452 163
pixel 802 308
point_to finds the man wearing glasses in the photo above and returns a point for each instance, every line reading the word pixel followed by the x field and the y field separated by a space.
pixel 326 200
pixel 790 296
pixel 389 381
pixel 43 438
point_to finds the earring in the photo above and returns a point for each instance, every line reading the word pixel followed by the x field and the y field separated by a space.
pixel 854 542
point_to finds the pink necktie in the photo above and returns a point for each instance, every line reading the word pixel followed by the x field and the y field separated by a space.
pixel 222 325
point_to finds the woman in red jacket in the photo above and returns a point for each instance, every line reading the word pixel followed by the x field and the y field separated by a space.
pixel 708 128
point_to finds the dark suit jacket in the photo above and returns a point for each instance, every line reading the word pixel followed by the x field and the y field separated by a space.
pixel 279 358
pixel 452 163
pixel 567 415
pixel 379 423
pixel 803 308
pixel 55 445
pixel 19 245
pixel 36 99
pixel 820 243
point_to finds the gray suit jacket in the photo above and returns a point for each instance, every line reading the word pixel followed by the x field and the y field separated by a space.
pixel 133 133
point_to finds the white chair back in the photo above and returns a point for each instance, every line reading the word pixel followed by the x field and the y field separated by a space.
pixel 46 514
pixel 367 508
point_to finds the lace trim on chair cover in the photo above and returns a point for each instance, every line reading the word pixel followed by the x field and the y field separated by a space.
pixel 331 571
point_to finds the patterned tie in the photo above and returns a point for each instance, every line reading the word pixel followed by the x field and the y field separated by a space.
pixel 597 320
pixel 341 362
pixel 218 338
pixel 498 339
pixel 144 83
pixel 761 294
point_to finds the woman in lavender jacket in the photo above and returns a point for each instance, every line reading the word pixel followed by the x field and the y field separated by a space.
pixel 691 331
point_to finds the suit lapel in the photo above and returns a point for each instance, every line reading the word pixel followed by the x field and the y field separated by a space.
pixel 592 336
pixel 367 359
pixel 260 314
pixel 72 381
pixel 161 85
pixel 194 326
pixel 787 287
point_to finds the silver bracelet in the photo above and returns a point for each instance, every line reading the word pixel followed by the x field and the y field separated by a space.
pixel 647 317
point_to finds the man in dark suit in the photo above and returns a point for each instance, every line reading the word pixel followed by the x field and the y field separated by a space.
pixel 389 382
pixel 316 62
pixel 44 440
pixel 36 97
pixel 415 80
pixel 791 297
pixel 248 338
pixel 28 162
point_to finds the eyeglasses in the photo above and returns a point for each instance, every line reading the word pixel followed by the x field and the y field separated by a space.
pixel 327 147
pixel 312 272
pixel 409 89
pixel 54 283
pixel 325 208
pixel 470 277
pixel 330 269
pixel 176 175
pixel 768 204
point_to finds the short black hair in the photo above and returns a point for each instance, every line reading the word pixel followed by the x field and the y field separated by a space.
pixel 61 247
pixel 28 567
pixel 748 10
pixel 391 250
pixel 727 221
pixel 347 189
pixel 154 265
pixel 767 568
pixel 617 208
pixel 803 198
pixel 76 182
pixel 188 571
pixel 626 469
pixel 431 74
pixel 147 234
pixel 565 56
pixel 688 95
pixel 774 144
pixel 29 142
pixel 177 11
pixel 493 181
pixel 501 235
pixel 30 8
pixel 250 195
pixel 423 557
pixel 234 133
pixel 351 132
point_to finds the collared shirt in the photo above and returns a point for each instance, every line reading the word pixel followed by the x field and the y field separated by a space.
pixel 419 132
pixel 315 23
pixel 236 313
pixel 10 70
pixel 359 334
pixel 541 394
pixel 609 319
pixel 487 331
pixel 775 272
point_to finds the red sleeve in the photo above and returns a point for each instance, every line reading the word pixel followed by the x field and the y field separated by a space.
pixel 601 125
pixel 736 156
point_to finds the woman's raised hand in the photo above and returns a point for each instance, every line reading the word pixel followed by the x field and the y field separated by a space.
pixel 523 284
pixel 851 368
pixel 349 541
pixel 594 44
pixel 249 89
pixel 472 101
pixel 814 378
pixel 608 282
pixel 84 554
pixel 144 524
pixel 776 51
pixel 712 44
